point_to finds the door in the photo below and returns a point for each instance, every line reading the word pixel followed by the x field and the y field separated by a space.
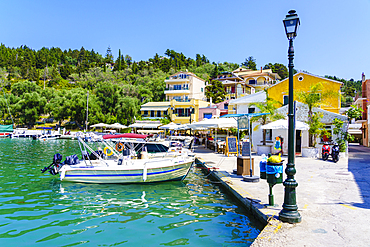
pixel 298 141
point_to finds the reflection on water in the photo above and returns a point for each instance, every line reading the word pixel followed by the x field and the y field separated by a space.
pixel 38 209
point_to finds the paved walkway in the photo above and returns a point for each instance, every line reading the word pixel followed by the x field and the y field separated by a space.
pixel 333 199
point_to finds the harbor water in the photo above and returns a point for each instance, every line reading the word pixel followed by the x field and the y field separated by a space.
pixel 38 210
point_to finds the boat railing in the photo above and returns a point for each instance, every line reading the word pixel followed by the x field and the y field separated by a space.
pixel 91 150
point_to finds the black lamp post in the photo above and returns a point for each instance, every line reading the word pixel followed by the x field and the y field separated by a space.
pixel 190 112
pixel 290 213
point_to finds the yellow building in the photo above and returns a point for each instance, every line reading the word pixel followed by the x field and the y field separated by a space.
pixel 155 110
pixel 179 112
pixel 186 112
pixel 302 82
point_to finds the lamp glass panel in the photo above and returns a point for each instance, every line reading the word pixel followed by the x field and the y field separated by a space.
pixel 290 26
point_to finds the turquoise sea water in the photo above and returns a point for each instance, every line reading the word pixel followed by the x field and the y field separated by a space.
pixel 38 210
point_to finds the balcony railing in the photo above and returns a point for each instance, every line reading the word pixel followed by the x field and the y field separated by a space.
pixel 181 100
pixel 172 88
pixel 176 79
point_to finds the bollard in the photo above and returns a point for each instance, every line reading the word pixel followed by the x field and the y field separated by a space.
pixel 274 175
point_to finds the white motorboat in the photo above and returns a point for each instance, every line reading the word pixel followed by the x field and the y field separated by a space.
pixel 24 133
pixel 47 134
pixel 123 166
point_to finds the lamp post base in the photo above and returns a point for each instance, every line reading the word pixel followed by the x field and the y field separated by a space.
pixel 252 179
pixel 290 216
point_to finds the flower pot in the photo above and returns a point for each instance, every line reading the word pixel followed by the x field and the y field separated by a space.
pixel 342 154
pixel 310 152
pixel 263 149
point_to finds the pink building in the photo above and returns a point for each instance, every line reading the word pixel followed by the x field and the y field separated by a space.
pixel 214 110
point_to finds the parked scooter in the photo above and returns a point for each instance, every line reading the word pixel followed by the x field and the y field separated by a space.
pixel 335 152
pixel 325 151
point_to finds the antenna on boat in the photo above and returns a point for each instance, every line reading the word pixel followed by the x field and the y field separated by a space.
pixel 87 110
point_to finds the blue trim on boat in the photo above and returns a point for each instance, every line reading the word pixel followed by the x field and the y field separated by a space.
pixel 121 175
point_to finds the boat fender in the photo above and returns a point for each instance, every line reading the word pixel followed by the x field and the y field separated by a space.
pixel 145 173
pixel 62 174
pixel 120 146
pixel 108 151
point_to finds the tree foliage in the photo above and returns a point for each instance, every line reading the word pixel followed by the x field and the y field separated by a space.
pixel 51 82
pixel 250 63
pixel 216 91
pixel 278 68
pixel 314 97
pixel 354 112
pixel 270 107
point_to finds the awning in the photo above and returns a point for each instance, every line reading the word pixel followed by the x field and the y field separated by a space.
pixel 283 124
pixel 248 99
pixel 150 126
pixel 144 126
pixel 354 132
pixel 150 131
pixel 6 128
pixel 257 114
pixel 125 135
pixel 164 108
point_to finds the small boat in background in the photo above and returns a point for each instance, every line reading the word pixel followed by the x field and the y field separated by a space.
pixel 46 134
pixel 6 130
pixel 25 133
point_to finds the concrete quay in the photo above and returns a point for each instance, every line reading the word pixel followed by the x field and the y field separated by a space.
pixel 333 199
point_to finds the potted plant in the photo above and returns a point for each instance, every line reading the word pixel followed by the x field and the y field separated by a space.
pixel 314 97
pixel 317 129
pixel 354 113
pixel 343 137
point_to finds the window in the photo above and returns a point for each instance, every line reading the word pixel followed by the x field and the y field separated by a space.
pixel 300 78
pixel 226 106
pixel 151 113
pixel 176 87
pixel 251 110
pixel 201 89
pixel 165 113
pixel 181 112
pixel 269 135
pixel 252 81
pixel 158 113
pixel 145 113
pixel 285 99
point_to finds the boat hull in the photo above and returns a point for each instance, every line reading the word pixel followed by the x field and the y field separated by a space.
pixel 147 171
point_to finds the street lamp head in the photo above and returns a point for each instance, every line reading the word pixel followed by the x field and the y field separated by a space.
pixel 291 24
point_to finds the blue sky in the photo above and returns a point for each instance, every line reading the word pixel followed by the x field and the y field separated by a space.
pixel 333 38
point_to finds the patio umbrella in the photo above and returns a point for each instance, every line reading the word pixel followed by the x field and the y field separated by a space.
pixel 99 125
pixel 182 127
pixel 283 124
pixel 215 123
pixel 117 126
pixel 170 126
